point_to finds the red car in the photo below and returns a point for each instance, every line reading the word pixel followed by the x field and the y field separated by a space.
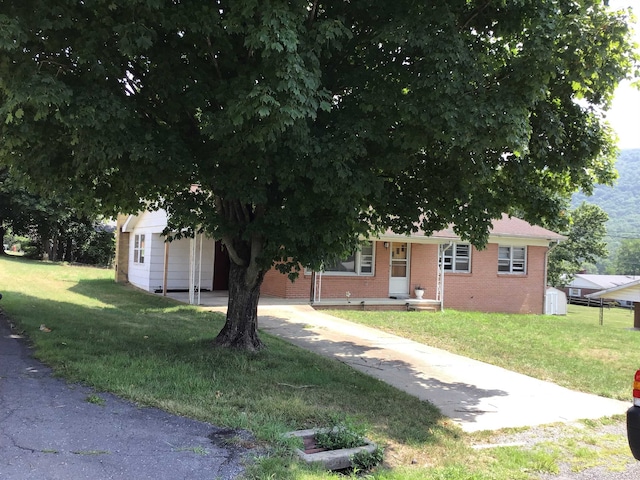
pixel 633 419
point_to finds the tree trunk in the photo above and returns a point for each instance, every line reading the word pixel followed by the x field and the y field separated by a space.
pixel 53 251
pixel 68 250
pixel 241 328
pixel 3 232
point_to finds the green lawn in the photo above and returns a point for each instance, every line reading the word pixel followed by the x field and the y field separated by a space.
pixel 573 350
pixel 158 352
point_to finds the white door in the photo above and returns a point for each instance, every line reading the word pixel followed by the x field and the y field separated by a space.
pixel 399 269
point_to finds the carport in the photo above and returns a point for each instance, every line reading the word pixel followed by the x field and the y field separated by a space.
pixel 629 292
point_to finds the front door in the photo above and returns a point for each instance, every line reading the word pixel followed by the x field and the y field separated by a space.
pixel 399 269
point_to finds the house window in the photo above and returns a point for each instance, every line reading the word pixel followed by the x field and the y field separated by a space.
pixel 359 262
pixel 512 259
pixel 575 292
pixel 138 249
pixel 457 257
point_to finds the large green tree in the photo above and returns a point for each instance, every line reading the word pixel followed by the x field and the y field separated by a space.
pixel 56 228
pixel 585 243
pixel 627 261
pixel 306 124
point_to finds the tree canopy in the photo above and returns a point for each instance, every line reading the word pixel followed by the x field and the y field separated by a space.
pixel 307 124
pixel 627 261
pixel 53 227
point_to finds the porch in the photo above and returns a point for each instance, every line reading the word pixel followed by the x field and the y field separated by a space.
pixel 220 298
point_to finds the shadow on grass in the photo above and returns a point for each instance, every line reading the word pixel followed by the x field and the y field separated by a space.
pixel 462 401
pixel 158 352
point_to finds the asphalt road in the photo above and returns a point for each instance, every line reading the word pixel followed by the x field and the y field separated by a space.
pixel 49 430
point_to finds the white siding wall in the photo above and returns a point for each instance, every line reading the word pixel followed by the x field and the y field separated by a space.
pixel 154 221
pixel 145 275
pixel 178 268
pixel 139 272
pixel 156 262
pixel 150 274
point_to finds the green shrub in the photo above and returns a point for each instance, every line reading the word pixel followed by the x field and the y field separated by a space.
pixel 365 460
pixel 343 433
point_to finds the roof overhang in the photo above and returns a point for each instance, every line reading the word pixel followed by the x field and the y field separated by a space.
pixel 130 223
pixel 440 238
pixel 628 291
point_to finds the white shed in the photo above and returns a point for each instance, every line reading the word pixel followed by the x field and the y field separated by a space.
pixel 555 302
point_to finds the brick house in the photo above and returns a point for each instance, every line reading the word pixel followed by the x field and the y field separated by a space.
pixel 509 275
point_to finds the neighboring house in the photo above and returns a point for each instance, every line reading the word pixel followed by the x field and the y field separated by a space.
pixel 509 275
pixel 628 293
pixel 584 284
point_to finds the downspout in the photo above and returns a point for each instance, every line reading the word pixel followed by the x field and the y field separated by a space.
pixel 546 273
pixel 317 286
pixel 200 270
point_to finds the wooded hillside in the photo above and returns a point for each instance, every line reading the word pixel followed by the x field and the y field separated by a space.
pixel 622 201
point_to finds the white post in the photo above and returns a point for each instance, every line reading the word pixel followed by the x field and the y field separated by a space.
pixel 200 270
pixel 442 277
pixel 192 268
pixel 165 274
pixel 317 287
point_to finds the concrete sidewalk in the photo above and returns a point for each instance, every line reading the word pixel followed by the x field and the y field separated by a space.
pixel 476 395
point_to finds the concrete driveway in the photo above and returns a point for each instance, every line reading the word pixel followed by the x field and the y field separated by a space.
pixel 49 430
pixel 475 395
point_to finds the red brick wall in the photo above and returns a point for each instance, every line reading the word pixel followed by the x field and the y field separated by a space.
pixel 423 270
pixel 485 290
pixel 363 286
pixel 481 290
pixel 274 284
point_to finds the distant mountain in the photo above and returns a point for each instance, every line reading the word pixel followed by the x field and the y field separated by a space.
pixel 622 201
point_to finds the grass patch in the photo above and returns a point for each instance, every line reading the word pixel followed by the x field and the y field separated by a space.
pixel 197 450
pixel 574 351
pixel 96 400
pixel 157 352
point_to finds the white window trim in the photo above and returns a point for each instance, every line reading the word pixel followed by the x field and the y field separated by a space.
pixel 511 261
pixel 575 292
pixel 358 266
pixel 453 257
pixel 138 240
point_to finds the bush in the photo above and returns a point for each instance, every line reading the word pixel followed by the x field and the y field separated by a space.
pixel 342 434
pixel 99 248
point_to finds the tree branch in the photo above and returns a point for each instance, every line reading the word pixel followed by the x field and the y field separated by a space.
pixel 214 60
pixel 251 277
pixel 233 254
pixel 226 239
pixel 477 12
pixel 312 13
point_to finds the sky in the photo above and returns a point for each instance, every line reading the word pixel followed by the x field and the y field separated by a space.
pixel 624 115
